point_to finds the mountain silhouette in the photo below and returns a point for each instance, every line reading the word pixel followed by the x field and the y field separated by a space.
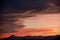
pixel 12 37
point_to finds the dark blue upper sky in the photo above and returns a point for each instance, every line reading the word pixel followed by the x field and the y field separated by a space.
pixel 24 4
pixel 16 5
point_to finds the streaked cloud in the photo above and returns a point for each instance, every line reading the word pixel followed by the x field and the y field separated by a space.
pixel 9 22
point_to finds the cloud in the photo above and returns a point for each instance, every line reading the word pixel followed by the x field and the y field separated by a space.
pixel 9 21
pixel 8 25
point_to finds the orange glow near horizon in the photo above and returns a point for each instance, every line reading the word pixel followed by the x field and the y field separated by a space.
pixel 44 25
pixel 36 32
pixel 31 32
pixel 5 35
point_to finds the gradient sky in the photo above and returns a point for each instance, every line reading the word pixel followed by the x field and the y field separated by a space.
pixel 48 23
pixel 40 24
pixel 48 20
pixel 18 19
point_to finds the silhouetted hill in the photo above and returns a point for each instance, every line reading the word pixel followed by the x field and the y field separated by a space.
pixel 12 37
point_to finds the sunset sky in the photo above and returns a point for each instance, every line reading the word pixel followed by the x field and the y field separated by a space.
pixel 30 18
pixel 41 24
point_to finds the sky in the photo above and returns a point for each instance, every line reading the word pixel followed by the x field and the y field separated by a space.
pixel 48 20
pixel 39 17
pixel 24 4
pixel 40 24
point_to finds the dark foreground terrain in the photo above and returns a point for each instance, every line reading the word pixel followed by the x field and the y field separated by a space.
pixel 57 37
